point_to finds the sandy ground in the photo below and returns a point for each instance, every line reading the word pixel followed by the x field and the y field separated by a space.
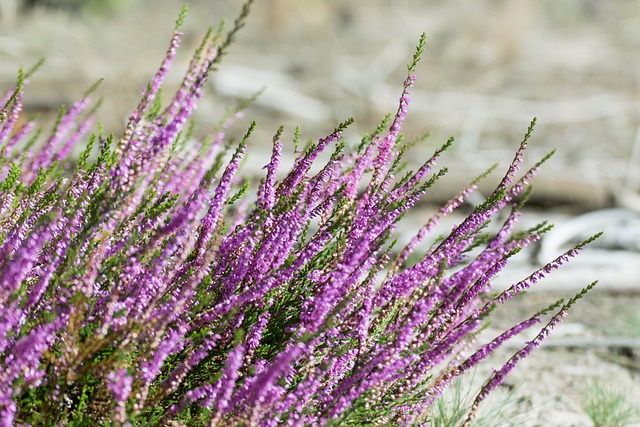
pixel 489 67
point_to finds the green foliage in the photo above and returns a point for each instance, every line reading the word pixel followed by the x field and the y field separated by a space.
pixel 608 405
pixel 12 177
pixel 416 56
pixel 124 281
pixel 451 409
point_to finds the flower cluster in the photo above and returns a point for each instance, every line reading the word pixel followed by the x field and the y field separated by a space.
pixel 143 286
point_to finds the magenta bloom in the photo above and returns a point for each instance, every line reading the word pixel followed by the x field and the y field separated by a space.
pixel 152 283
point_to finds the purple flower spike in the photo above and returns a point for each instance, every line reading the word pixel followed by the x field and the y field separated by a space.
pixel 153 284
pixel 120 385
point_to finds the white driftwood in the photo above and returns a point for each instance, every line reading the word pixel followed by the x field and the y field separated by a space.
pixel 621 229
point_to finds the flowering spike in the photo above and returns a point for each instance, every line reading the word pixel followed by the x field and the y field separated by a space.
pixel 498 376
pixel 148 286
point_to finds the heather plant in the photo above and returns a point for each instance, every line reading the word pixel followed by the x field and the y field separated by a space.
pixel 142 284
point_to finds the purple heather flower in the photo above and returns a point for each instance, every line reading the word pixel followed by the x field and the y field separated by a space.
pixel 223 390
pixel 170 343
pixel 284 309
pixel 192 360
pixel 120 386
pixel 387 144
pixel 302 165
pixel 45 156
pixel 23 358
pixel 150 93
pixel 499 375
pixel 9 116
pixel 191 396
pixel 217 201
pixel 266 193
pixel 361 164
pixel 22 261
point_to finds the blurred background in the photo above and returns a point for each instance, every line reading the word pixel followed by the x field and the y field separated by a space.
pixel 489 67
